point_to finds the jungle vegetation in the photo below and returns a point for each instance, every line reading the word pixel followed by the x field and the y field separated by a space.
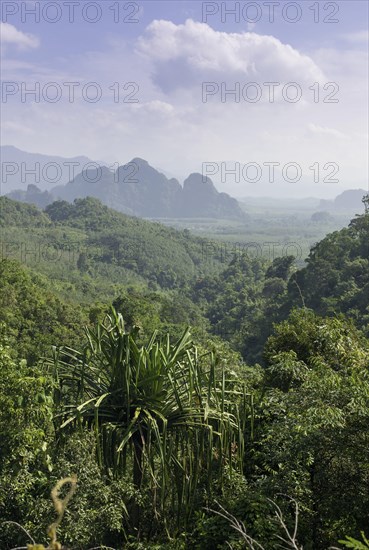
pixel 185 394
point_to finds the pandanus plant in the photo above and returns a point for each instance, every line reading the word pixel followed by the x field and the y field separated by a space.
pixel 156 409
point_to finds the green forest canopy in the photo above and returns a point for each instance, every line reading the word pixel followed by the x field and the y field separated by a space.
pixel 284 352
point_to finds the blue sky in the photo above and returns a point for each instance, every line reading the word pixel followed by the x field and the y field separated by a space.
pixel 169 54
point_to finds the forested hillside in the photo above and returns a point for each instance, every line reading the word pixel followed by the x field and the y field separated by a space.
pixel 97 248
pixel 186 394
pixel 336 278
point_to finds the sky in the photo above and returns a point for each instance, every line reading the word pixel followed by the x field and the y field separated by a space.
pixel 265 97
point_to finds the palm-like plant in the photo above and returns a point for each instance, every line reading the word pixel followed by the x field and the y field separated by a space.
pixel 160 404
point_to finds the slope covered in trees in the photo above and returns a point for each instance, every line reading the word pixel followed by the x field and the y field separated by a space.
pixel 336 277
pixel 242 302
pixel 97 249
pixel 162 425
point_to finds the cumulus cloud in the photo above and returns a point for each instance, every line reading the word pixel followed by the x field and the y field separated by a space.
pixel 185 54
pixel 316 129
pixel 155 106
pixel 172 127
pixel 357 37
pixel 11 35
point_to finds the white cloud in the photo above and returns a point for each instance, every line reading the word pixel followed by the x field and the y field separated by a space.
pixel 316 129
pixel 11 35
pixel 171 127
pixel 17 128
pixel 357 37
pixel 185 54
pixel 155 106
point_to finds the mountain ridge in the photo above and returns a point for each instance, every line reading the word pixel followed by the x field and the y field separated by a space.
pixel 16 177
pixel 139 189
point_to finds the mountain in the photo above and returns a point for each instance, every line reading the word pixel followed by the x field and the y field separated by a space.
pixel 200 198
pixel 20 169
pixel 135 188
pixel 351 200
pixel 139 189
pixel 102 186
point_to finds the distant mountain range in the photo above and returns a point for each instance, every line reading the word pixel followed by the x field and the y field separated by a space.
pixel 135 188
pixel 347 200
pixel 20 169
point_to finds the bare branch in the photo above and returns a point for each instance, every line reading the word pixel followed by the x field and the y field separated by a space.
pixel 20 527
pixel 238 526
pixel 290 541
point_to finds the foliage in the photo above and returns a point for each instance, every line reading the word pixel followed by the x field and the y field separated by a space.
pixel 157 409
pixel 242 302
pixel 146 248
pixel 336 277
pixel 312 429
pixel 26 433
pixel 159 428
pixel 34 317
pixel 15 213
pixel 356 544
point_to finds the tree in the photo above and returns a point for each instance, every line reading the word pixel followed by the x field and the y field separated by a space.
pixel 26 432
pixel 366 203
pixel 336 277
pixel 82 263
pixel 157 409
pixel 34 316
pixel 313 425
pixel 280 267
